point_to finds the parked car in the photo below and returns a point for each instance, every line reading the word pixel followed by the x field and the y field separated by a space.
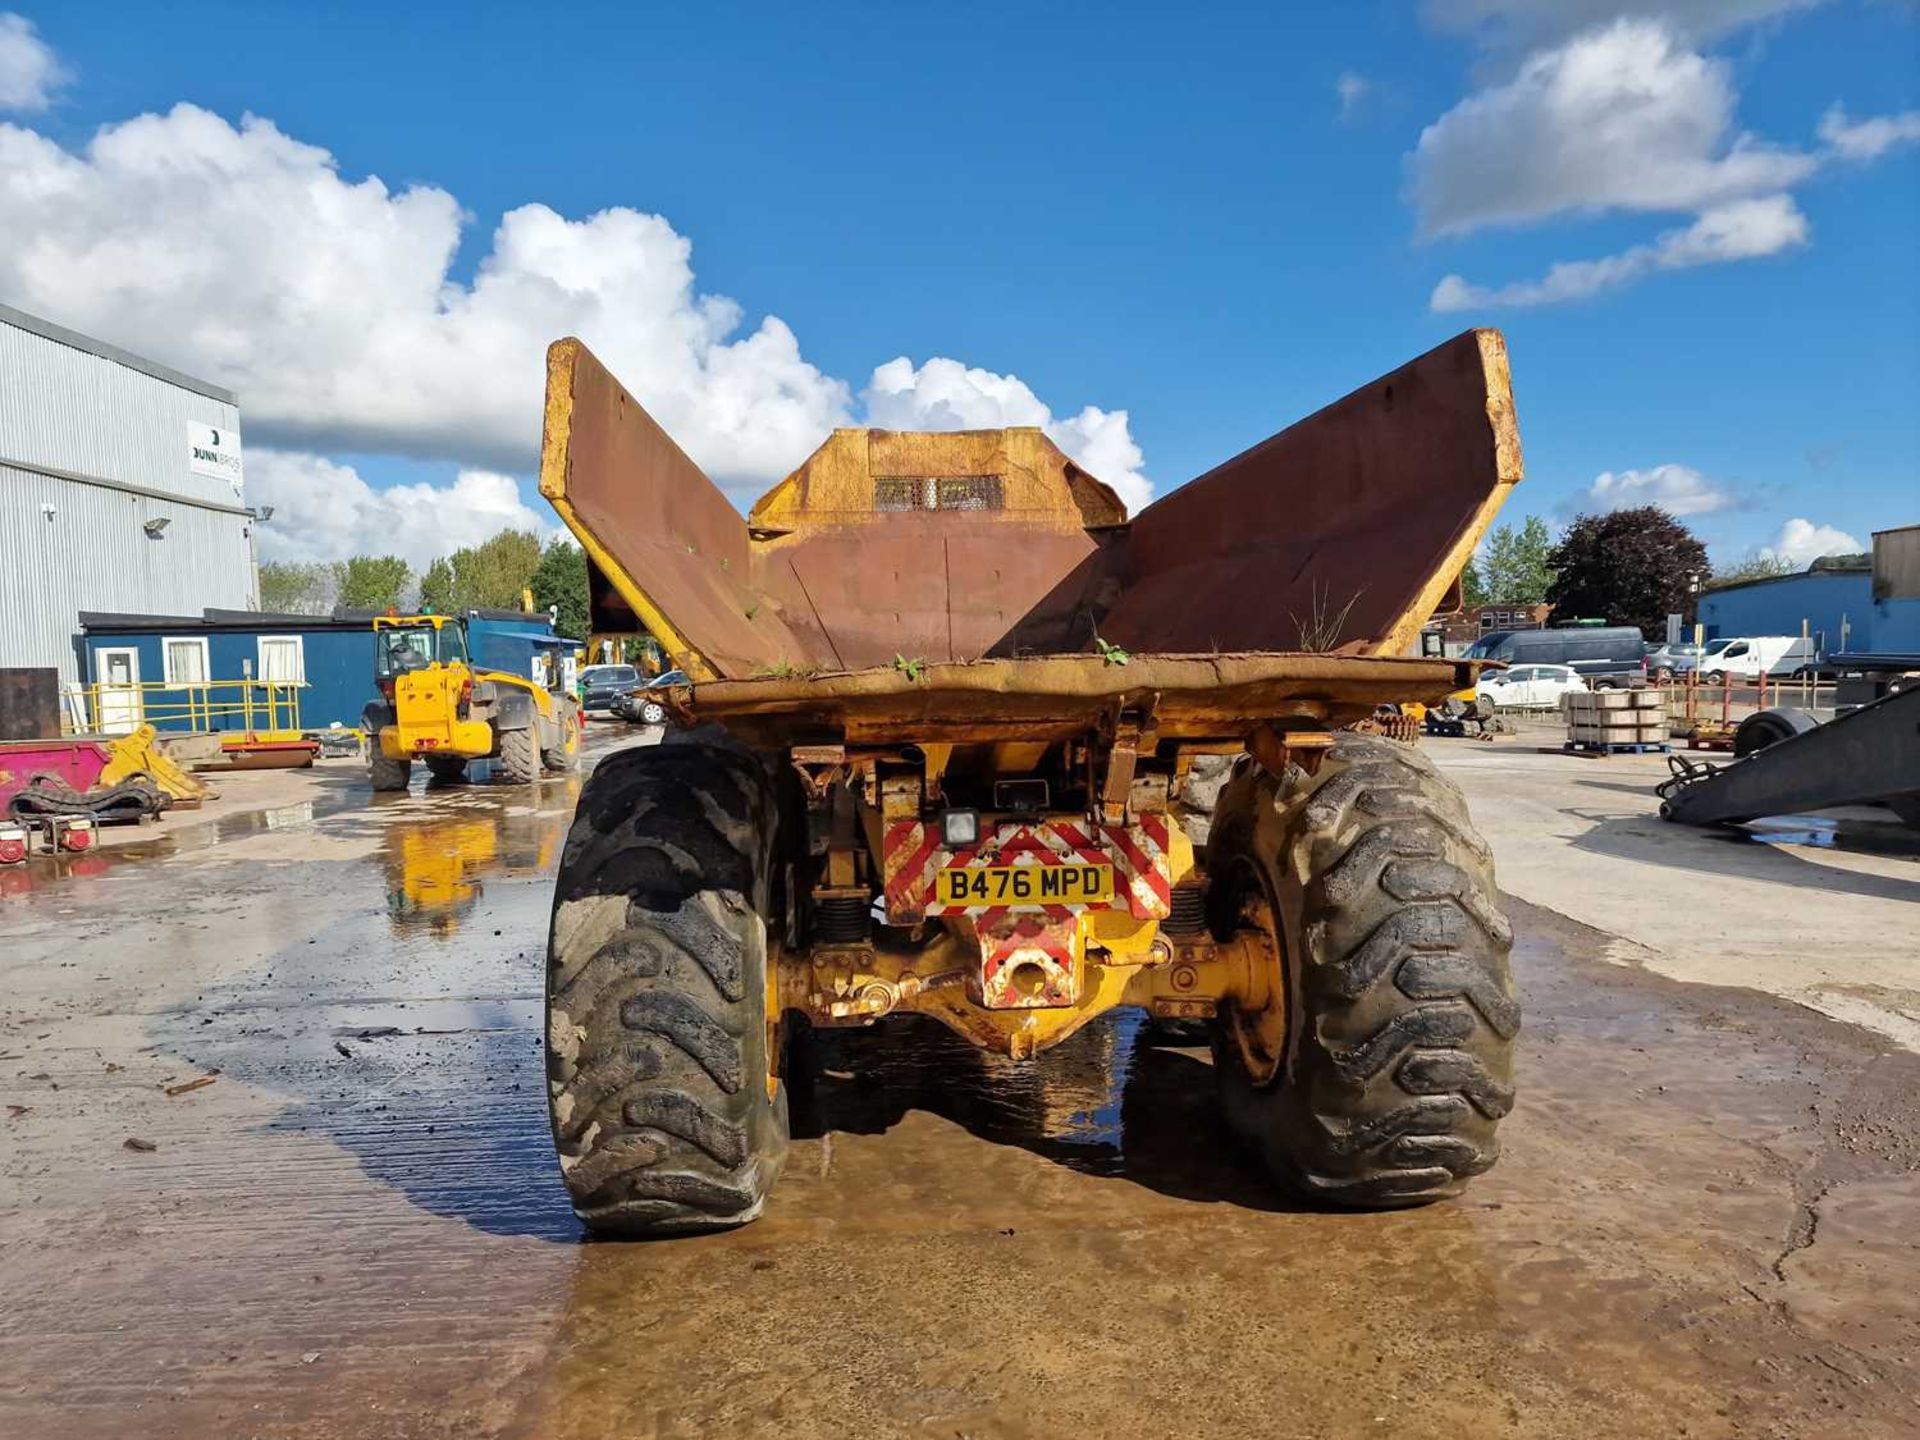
pixel 643 705
pixel 1529 685
pixel 1667 662
pixel 1608 657
pixel 601 685
pixel 1750 657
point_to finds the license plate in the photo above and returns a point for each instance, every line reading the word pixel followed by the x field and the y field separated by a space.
pixel 974 886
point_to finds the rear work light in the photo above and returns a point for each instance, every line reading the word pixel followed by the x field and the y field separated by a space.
pixel 960 828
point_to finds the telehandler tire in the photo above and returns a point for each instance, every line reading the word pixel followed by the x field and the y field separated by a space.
pixel 384 774
pixel 559 758
pixel 447 769
pixel 519 759
pixel 1401 1008
pixel 666 1111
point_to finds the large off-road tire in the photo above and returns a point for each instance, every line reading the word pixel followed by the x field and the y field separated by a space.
pixel 447 769
pixel 519 760
pixel 563 758
pixel 1397 1056
pixel 385 774
pixel 667 1114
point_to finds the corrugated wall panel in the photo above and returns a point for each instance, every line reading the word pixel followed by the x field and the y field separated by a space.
pixel 66 408
pixel 72 410
pixel 95 554
pixel 1896 564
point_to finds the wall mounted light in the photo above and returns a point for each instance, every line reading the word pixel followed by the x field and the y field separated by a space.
pixel 156 527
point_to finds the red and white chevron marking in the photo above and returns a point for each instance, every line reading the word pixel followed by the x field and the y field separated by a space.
pixel 1046 943
pixel 1142 870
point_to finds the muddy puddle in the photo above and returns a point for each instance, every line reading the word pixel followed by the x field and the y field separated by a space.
pixel 1699 1225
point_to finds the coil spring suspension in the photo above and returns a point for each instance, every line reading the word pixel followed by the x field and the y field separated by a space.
pixel 841 919
pixel 1189 912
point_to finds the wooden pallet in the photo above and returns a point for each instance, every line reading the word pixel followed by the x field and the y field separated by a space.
pixel 1628 747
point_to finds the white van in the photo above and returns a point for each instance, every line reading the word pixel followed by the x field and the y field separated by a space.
pixel 1750 657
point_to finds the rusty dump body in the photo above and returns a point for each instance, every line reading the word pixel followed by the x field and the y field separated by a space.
pixel 981 558
pixel 974 661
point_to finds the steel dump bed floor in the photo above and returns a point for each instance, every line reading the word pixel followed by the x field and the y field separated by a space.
pixel 1057 696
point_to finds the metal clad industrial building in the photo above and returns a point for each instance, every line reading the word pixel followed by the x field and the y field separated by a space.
pixel 96 446
pixel 1856 609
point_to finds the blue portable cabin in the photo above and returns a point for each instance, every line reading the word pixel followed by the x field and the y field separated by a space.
pixel 329 658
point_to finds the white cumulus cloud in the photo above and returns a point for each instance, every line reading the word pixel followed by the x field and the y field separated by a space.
pixel 323 510
pixel 242 254
pixel 1801 542
pixel 946 395
pixel 1871 138
pixel 1680 490
pixel 1617 118
pixel 1612 107
pixel 30 73
pixel 1741 230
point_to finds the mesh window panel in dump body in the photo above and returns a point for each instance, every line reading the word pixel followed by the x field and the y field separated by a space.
pixel 938 492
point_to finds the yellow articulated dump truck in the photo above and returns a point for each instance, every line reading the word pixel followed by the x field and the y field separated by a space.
pixel 960 738
pixel 436 706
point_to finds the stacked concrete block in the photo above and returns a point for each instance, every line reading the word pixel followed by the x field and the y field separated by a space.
pixel 1615 717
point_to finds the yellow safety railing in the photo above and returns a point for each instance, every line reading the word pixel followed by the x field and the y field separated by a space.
pixel 255 709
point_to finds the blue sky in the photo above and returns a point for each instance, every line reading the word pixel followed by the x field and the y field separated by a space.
pixel 1166 211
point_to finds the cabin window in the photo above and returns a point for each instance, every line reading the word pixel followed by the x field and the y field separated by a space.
pixel 283 659
pixel 184 660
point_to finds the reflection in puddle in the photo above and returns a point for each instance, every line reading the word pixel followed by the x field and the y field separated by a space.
pixel 435 871
pixel 1110 1101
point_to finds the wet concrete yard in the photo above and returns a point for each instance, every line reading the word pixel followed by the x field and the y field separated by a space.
pixel 1703 1223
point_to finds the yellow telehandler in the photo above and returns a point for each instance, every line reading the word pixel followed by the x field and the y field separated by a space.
pixel 435 706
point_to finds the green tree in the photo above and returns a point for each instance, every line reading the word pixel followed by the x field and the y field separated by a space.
pixel 436 589
pixel 1514 565
pixel 290 588
pixel 560 583
pixel 492 575
pixel 1632 567
pixel 373 582
pixel 1756 566
pixel 1473 590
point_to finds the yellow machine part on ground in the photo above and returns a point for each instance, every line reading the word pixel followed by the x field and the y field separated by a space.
pixel 138 752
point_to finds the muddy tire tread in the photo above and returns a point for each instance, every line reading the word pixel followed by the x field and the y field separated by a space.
pixel 1401 1063
pixel 657 1036
pixel 519 756
pixel 388 775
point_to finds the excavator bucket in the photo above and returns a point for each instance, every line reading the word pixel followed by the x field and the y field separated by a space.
pixel 1341 534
